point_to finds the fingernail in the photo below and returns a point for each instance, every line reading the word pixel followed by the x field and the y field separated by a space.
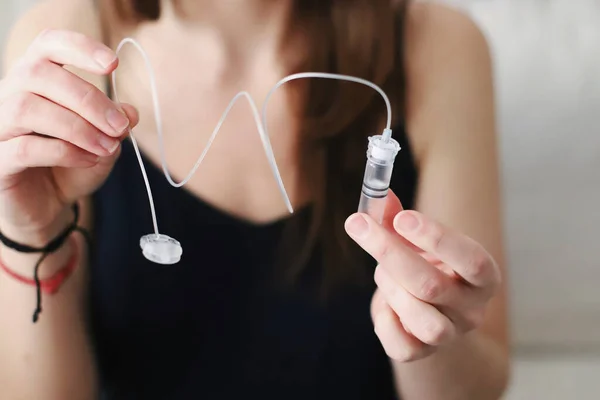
pixel 109 144
pixel 357 225
pixel 117 119
pixel 406 222
pixel 105 58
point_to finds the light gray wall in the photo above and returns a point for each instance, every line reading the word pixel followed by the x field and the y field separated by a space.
pixel 6 18
pixel 548 85
pixel 9 10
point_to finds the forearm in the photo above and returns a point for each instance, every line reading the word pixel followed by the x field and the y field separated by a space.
pixel 51 359
pixel 474 367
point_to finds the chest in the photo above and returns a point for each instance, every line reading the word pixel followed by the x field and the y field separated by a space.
pixel 197 113
pixel 220 315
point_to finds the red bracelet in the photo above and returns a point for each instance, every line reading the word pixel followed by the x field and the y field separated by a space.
pixel 52 284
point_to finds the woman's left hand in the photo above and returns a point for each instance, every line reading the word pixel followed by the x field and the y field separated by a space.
pixel 434 284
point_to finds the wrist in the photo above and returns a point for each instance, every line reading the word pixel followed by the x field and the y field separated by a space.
pixel 24 264
pixel 38 236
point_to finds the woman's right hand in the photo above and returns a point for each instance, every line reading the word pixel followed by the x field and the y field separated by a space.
pixel 59 134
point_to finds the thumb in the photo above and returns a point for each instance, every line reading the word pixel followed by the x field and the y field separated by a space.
pixel 106 163
pixel 92 177
pixel 132 114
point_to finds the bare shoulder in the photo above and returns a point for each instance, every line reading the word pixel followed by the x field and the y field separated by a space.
pixel 73 15
pixel 448 66
pixel 444 27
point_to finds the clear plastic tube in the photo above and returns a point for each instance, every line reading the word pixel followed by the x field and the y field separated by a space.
pixel 337 77
pixel 159 130
pixel 161 248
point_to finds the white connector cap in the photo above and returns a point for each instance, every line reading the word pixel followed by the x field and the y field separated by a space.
pixel 381 150
pixel 161 249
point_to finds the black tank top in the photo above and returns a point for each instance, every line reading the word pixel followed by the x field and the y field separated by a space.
pixel 213 326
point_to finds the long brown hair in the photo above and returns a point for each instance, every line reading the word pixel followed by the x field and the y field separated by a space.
pixel 363 38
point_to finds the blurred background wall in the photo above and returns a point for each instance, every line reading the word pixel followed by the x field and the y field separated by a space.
pixel 8 10
pixel 547 57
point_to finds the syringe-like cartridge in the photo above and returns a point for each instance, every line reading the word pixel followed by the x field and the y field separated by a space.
pixel 381 154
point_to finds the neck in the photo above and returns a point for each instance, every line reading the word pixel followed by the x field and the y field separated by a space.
pixel 237 23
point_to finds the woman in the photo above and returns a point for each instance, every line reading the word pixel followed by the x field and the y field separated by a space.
pixel 262 303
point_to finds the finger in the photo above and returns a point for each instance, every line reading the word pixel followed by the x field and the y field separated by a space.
pixel 70 91
pixel 420 319
pixel 421 279
pixel 26 112
pixel 392 207
pixel 467 258
pixel 72 48
pixel 397 343
pixel 377 303
pixel 32 151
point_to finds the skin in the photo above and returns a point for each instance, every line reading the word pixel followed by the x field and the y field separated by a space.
pixel 440 306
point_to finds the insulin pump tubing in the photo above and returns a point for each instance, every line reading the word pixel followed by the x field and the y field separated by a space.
pixel 380 155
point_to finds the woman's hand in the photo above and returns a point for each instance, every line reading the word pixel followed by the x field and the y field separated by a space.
pixel 433 283
pixel 59 134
